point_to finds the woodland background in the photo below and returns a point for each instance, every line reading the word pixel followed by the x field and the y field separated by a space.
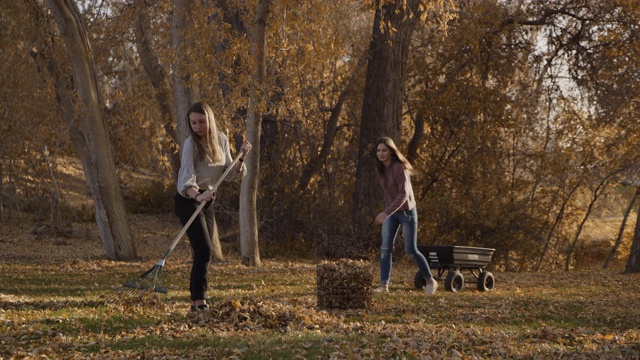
pixel 520 119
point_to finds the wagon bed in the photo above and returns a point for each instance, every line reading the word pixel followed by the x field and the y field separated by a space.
pixel 454 260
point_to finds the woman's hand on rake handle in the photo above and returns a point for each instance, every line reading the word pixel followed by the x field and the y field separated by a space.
pixel 246 147
pixel 208 195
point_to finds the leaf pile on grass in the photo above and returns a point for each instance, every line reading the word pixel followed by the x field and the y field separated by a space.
pixel 344 284
pixel 249 314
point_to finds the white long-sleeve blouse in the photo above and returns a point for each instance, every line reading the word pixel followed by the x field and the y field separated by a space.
pixel 204 174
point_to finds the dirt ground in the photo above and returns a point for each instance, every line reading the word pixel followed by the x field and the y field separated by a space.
pixel 79 238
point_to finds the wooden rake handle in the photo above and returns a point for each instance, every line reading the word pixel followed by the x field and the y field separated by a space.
pixel 200 207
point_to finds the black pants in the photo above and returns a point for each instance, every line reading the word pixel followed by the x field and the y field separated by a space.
pixel 199 233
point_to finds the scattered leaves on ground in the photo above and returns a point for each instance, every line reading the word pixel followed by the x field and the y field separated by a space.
pixel 58 301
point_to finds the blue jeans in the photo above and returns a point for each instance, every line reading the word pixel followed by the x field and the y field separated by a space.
pixel 408 220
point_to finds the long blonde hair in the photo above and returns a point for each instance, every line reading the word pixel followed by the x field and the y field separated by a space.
pixel 395 154
pixel 212 147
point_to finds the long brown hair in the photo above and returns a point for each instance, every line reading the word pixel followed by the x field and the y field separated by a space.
pixel 395 154
pixel 212 146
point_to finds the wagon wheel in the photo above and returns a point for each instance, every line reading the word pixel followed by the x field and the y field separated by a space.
pixel 486 281
pixel 454 281
pixel 418 281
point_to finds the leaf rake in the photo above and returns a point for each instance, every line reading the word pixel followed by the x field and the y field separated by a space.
pixel 149 284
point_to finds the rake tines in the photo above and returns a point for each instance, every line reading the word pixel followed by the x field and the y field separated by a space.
pixel 149 281
pixel 147 286
pixel 124 296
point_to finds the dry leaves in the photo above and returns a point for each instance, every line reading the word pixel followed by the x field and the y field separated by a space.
pixel 344 284
pixel 249 314
pixel 58 307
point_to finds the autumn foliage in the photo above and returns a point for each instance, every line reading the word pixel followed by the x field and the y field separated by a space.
pixel 518 117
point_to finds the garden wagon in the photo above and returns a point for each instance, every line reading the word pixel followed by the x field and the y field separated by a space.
pixel 454 260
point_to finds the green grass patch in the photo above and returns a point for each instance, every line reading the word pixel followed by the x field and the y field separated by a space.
pixel 58 310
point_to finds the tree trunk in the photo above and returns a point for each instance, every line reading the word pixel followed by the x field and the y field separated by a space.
pixel 64 93
pixel 110 211
pixel 596 194
pixel 556 222
pixel 1 191
pixel 633 262
pixel 184 96
pixel 621 231
pixel 249 250
pixel 181 87
pixel 382 105
pixel 417 138
pixel 55 218
pixel 313 166
pixel 158 77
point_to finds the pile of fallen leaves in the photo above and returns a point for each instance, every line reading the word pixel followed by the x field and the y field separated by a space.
pixel 251 314
pixel 344 284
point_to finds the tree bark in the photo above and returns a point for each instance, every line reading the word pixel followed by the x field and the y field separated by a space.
pixel 181 89
pixel 382 105
pixel 249 250
pixel 110 211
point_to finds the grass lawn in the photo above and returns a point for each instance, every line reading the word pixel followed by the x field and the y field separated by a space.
pixel 54 305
